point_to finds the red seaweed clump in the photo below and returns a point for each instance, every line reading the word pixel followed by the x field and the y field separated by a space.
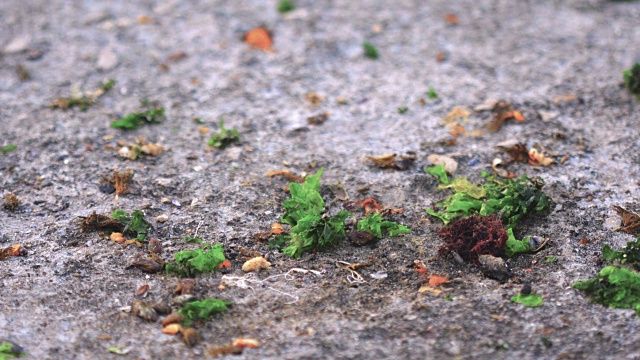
pixel 474 236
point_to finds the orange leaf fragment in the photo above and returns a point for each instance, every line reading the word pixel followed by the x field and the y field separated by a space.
pixel 518 116
pixel 286 174
pixel 451 19
pixel 436 280
pixel 259 38
pixel 226 264
pixel 14 250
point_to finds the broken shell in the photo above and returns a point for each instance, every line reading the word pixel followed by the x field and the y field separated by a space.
pixel 143 310
pixel 181 300
pixel 161 308
pixel 255 264
pixel 497 166
pixel 174 318
pixel 186 286
pixel 494 267
pixel 151 149
pixel 536 243
pixel 243 342
pixel 191 336
pixel 359 237
pixel 147 265
pixel 142 291
pixel 154 246
pixel 162 218
pixel 172 329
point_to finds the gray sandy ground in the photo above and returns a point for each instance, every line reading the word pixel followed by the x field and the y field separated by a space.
pixel 64 299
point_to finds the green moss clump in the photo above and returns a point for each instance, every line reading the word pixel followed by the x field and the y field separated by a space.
pixel 632 79
pixel 613 287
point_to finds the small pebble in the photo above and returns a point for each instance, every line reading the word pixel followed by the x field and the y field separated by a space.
pixel 162 218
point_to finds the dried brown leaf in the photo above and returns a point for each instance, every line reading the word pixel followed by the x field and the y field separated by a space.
pixel 318 119
pixel 14 250
pixel 629 221
pixel 287 175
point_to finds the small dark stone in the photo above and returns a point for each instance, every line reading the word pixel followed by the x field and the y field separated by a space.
pixel 359 238
pixel 526 289
pixel 107 188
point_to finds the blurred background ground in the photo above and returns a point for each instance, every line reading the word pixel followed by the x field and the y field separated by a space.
pixel 559 62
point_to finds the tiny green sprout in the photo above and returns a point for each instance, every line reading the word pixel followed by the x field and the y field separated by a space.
pixel 224 138
pixel 550 259
pixel 370 51
pixel 107 85
pixel 198 120
pixel 195 240
pixel 201 310
pixel 448 298
pixel 284 6
pixel 432 94
pixel 402 110
pixel 135 120
pixel 10 350
pixel 134 224
pixel 632 79
pixel 530 300
pixel 6 149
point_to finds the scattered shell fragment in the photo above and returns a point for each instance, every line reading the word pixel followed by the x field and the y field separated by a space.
pixel 536 243
pixel 186 286
pixel 181 300
pixel 174 318
pixel 255 264
pixel 155 246
pixel 191 337
pixel 147 265
pixel 117 237
pixel 359 238
pixel 162 218
pixel 430 289
pixel 161 307
pixel 244 342
pixel 142 291
pixel 172 329
pixel 143 310
pixel 494 267
pixel 498 167
pixel 449 164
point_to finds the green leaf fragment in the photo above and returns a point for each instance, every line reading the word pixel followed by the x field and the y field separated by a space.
pixel 530 300
pixel 613 287
pixel 463 185
pixel 311 230
pixel 118 349
pixel 515 246
pixel 370 51
pixel 439 172
pixel 512 199
pixel 135 224
pixel 6 149
pixel 193 240
pixel 375 225
pixel 135 120
pixel 192 262
pixel 201 310
pixel 432 94
pixel 9 350
pixel 632 79
pixel 630 254
pixel 284 6
pixel 550 259
pixel 224 137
